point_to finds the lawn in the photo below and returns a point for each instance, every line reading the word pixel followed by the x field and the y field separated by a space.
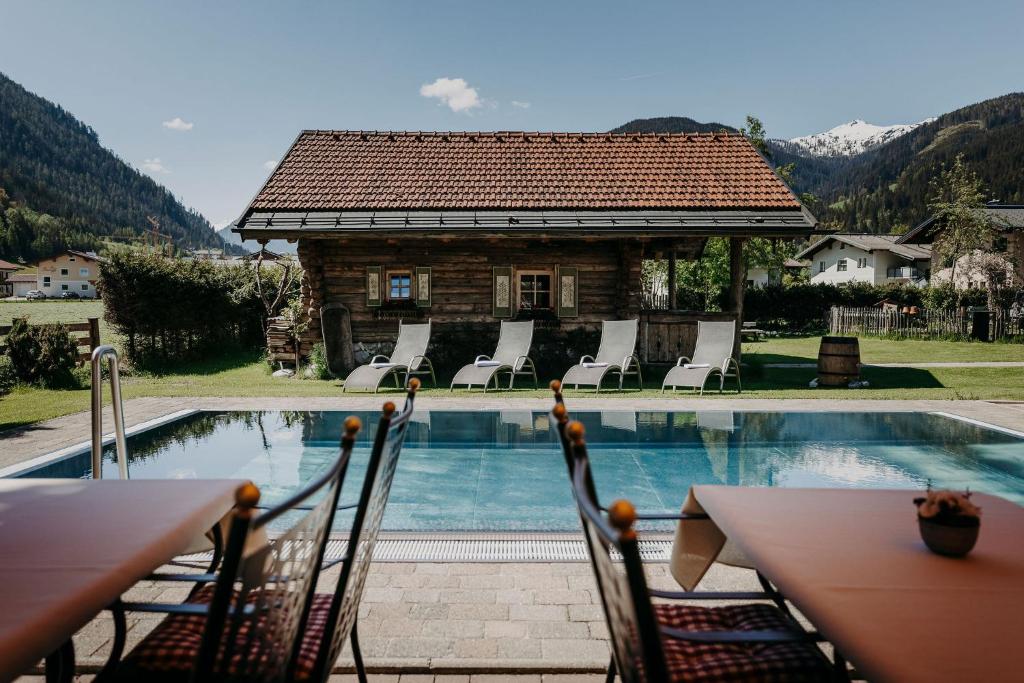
pixel 245 375
pixel 805 349
pixel 58 311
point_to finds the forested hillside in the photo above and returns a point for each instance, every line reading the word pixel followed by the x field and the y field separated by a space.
pixel 62 188
pixel 886 188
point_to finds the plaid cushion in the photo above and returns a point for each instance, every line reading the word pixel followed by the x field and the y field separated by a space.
pixel 688 661
pixel 169 651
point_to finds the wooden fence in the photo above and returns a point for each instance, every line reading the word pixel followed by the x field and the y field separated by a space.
pixel 87 334
pixel 923 325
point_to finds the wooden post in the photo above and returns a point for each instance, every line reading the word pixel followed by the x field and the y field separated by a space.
pixel 671 280
pixel 737 281
pixel 94 334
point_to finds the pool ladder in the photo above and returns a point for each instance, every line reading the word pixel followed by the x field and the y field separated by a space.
pixel 98 355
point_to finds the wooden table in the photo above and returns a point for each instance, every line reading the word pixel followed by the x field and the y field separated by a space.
pixel 853 562
pixel 71 547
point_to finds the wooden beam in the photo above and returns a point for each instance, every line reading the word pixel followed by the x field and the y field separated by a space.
pixel 672 280
pixel 737 281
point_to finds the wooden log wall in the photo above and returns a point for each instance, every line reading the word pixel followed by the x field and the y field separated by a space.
pixel 461 278
pixel 667 335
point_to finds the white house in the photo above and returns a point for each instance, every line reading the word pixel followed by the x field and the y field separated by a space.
pixel 22 283
pixel 758 276
pixel 875 259
pixel 72 271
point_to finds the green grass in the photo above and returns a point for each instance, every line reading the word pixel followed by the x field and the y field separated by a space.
pixel 245 375
pixel 805 350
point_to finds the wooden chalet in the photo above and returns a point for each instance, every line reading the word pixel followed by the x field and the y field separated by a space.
pixel 467 229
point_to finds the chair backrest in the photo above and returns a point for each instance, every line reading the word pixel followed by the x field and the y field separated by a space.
pixel 412 341
pixel 264 589
pixel 715 341
pixel 618 340
pixel 632 626
pixel 514 341
pixel 380 472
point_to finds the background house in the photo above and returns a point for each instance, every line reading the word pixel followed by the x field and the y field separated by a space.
pixel 875 259
pixel 71 271
pixel 22 283
pixel 762 277
pixel 6 270
pixel 1009 220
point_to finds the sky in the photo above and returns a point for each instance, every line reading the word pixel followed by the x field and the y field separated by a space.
pixel 207 96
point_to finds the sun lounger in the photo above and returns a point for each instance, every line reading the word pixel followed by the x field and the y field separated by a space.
pixel 712 356
pixel 409 358
pixel 615 354
pixel 512 356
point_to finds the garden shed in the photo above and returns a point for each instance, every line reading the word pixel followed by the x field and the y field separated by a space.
pixel 467 229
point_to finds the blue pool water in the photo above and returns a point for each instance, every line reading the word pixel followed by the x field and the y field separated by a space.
pixel 503 471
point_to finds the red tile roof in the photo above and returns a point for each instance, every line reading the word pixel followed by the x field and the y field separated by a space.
pixel 5 265
pixel 353 170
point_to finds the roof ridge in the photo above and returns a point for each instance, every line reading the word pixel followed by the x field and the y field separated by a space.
pixel 520 133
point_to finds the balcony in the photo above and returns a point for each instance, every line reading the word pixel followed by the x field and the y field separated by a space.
pixel 904 273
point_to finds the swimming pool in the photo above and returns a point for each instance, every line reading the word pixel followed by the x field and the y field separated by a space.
pixel 503 470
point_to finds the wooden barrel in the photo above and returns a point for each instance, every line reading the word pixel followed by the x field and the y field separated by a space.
pixel 838 361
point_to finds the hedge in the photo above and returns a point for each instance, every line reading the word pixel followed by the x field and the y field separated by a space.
pixel 174 309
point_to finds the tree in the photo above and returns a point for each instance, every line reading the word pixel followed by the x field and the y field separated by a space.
pixel 962 230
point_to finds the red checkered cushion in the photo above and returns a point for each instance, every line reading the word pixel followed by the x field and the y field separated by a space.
pixel 688 661
pixel 169 651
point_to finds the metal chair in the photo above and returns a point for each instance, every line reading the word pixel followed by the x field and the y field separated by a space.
pixel 332 617
pixel 243 623
pixel 670 642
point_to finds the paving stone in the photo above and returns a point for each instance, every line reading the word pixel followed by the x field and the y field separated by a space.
pixel 478 648
pixel 515 596
pixel 474 568
pixel 537 612
pixel 566 597
pixel 440 568
pixel 453 628
pixel 520 648
pixel 573 678
pixel 451 678
pixel 394 567
pixel 581 651
pixel 586 613
pixel 476 597
pixel 371 678
pixel 586 583
pixel 558 629
pixel 487 581
pixel 598 629
pixel 399 628
pixel 416 678
pixel 428 610
pixel 384 595
pixel 482 612
pixel 504 678
pixel 542 581
pixel 505 629
pixel 419 647
pixel 441 580
pixel 419 595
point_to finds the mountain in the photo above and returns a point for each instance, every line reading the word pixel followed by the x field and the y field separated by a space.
pixel 848 139
pixel 63 182
pixel 885 187
pixel 672 124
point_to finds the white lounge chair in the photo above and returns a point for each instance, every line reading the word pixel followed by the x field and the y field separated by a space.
pixel 615 354
pixel 512 356
pixel 409 357
pixel 712 356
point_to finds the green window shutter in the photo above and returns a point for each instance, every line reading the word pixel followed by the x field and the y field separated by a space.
pixel 568 292
pixel 423 285
pixel 373 286
pixel 502 292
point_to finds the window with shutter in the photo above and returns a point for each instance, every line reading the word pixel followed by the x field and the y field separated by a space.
pixel 373 289
pixel 502 292
pixel 568 292
pixel 423 287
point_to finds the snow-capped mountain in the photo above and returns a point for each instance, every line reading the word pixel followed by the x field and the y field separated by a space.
pixel 850 138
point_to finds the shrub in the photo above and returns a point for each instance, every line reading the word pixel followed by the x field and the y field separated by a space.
pixel 8 377
pixel 42 354
pixel 318 362
pixel 804 306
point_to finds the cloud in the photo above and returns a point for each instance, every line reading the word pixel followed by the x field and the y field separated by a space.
pixel 269 164
pixel 154 165
pixel 454 92
pixel 521 105
pixel 640 77
pixel 178 123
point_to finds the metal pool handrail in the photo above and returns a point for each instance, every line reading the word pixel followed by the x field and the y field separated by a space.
pixel 97 412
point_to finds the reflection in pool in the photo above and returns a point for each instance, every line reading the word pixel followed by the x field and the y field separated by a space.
pixel 503 471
